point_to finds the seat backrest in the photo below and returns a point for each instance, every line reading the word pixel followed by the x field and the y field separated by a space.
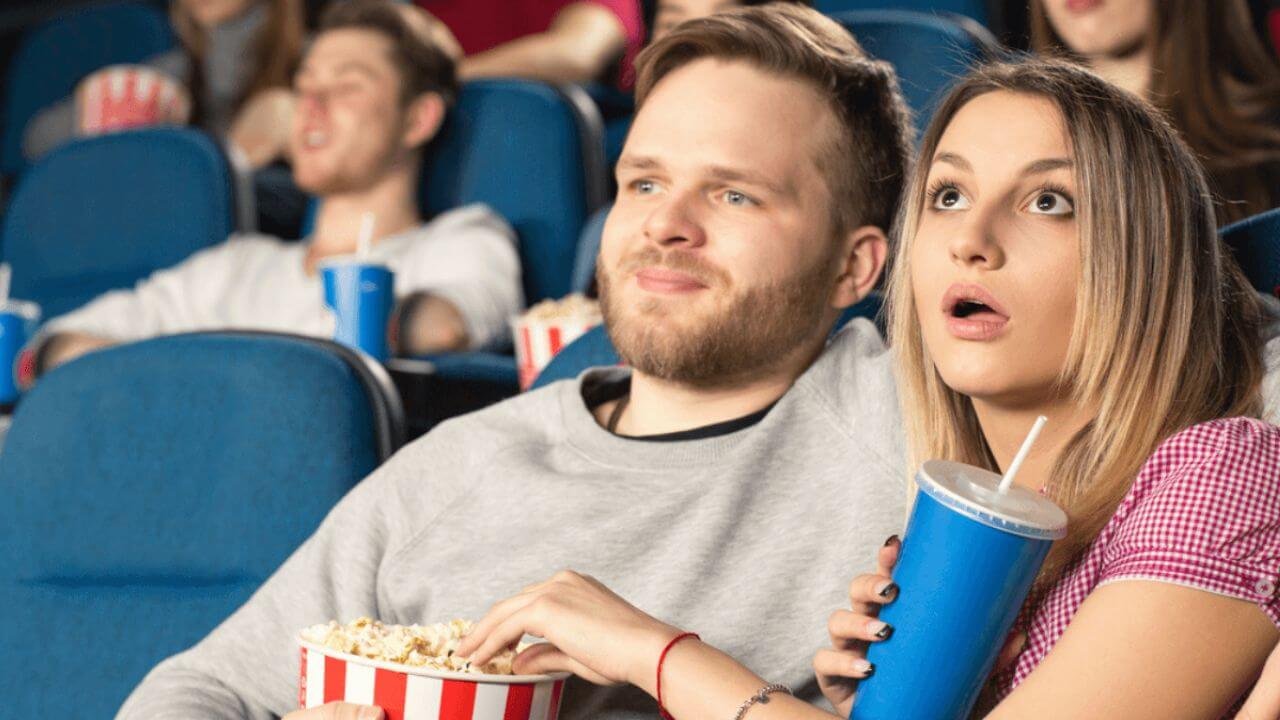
pixel 584 265
pixel 591 349
pixel 1255 242
pixel 150 488
pixel 533 153
pixel 102 213
pixel 928 51
pixel 53 57
pixel 974 9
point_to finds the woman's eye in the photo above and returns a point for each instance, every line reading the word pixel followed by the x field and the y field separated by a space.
pixel 733 197
pixel 1051 203
pixel 950 199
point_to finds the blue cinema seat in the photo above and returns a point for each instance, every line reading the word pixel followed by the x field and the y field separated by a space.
pixel 929 52
pixel 976 9
pixel 53 57
pixel 594 349
pixel 102 213
pixel 1255 241
pixel 149 489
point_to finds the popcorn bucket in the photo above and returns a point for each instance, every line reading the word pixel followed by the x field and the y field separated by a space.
pixel 413 693
pixel 128 96
pixel 538 340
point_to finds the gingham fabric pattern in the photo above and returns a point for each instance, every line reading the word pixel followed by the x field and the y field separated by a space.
pixel 1203 512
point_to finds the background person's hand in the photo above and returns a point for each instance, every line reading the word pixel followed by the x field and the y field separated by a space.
pixel 338 711
pixel 261 129
pixel 591 632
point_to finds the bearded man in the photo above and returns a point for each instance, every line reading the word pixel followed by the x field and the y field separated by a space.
pixel 733 478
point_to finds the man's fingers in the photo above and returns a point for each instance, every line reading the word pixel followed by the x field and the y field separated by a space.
pixel 832 663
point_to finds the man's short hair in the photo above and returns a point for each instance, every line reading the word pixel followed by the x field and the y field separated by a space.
pixel 423 66
pixel 867 167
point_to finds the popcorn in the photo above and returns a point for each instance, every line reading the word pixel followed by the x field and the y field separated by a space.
pixel 425 646
pixel 570 306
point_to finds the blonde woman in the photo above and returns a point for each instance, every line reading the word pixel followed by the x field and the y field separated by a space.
pixel 1059 258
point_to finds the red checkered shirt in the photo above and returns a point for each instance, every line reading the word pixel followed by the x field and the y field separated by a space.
pixel 1204 512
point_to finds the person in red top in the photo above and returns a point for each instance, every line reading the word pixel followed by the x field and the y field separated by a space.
pixel 549 40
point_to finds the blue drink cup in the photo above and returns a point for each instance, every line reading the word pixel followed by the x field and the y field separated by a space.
pixel 361 294
pixel 18 320
pixel 969 556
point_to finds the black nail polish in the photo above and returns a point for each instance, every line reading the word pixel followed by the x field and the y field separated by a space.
pixel 885 632
pixel 892 539
pixel 870 671
pixel 890 591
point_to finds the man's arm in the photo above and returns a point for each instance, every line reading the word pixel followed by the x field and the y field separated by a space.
pixel 429 324
pixel 1141 649
pixel 581 42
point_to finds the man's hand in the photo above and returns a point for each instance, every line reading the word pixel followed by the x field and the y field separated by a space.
pixel 338 711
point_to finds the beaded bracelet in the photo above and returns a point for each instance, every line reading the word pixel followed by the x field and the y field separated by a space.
pixel 762 697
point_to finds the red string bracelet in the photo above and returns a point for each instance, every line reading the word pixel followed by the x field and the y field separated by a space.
pixel 662 711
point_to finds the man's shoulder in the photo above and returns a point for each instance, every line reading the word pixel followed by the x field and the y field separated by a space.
pixel 856 353
pixel 476 217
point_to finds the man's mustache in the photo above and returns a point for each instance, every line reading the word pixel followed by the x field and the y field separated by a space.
pixel 680 261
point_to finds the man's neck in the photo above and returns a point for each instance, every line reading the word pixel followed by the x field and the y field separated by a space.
pixel 392 200
pixel 1131 71
pixel 1006 426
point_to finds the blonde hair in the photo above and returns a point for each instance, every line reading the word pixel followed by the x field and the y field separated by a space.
pixel 1166 331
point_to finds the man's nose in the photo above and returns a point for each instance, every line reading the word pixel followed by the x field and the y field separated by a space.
pixel 675 221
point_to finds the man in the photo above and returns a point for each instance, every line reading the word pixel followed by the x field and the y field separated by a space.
pixel 734 480
pixel 372 91
pixel 666 14
pixel 574 41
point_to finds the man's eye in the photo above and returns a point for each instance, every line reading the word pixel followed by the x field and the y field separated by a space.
pixel 644 187
pixel 1051 203
pixel 950 199
pixel 733 197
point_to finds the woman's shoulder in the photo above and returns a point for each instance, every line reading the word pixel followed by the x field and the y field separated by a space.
pixel 1232 449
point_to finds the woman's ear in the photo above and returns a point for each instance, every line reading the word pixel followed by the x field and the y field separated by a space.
pixel 423 118
pixel 866 249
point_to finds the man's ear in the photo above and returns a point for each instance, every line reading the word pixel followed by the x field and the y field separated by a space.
pixel 422 119
pixel 866 249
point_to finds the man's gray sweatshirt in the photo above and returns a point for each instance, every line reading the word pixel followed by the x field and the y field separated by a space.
pixel 749 539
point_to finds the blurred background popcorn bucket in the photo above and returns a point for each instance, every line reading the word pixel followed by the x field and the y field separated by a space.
pixel 122 97
pixel 413 693
pixel 538 340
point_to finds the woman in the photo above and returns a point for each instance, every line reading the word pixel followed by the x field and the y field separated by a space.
pixel 236 62
pixel 1203 64
pixel 1059 257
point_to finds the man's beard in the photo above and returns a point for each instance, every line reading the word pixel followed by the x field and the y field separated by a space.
pixel 747 337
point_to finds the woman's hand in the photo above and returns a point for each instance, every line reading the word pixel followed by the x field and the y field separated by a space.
pixel 591 632
pixel 841 666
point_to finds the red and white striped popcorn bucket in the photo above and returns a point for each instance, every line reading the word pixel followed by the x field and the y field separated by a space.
pixel 129 96
pixel 413 693
pixel 538 340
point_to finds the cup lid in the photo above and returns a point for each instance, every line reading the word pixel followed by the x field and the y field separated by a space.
pixel 975 493
pixel 350 259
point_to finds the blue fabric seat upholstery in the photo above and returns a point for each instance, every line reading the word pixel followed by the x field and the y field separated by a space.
pixel 929 52
pixel 102 213
pixel 1255 242
pixel 975 9
pixel 150 488
pixel 52 58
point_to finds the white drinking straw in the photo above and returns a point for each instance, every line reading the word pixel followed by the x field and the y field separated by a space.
pixel 5 273
pixel 365 241
pixel 1007 481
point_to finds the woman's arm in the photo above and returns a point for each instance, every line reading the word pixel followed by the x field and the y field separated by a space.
pixel 1143 649
pixel 602 638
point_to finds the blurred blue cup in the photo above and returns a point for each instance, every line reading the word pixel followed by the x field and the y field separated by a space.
pixel 18 321
pixel 361 294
